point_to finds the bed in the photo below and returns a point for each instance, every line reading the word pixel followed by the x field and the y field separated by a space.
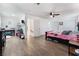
pixel 60 37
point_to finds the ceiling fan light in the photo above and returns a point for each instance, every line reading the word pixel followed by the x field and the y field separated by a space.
pixel 51 13
pixel 51 16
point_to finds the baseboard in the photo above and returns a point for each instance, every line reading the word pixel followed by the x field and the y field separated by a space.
pixel 38 36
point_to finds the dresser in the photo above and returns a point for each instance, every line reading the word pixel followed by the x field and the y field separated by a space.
pixel 73 45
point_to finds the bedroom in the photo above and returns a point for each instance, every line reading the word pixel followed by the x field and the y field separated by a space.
pixel 39 19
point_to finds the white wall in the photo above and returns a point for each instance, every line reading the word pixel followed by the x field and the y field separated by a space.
pixel 38 26
pixel 45 25
pixel 69 23
pixel 30 26
pixel 25 26
pixel 10 21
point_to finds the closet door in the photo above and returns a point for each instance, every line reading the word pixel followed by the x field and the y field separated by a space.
pixel 36 27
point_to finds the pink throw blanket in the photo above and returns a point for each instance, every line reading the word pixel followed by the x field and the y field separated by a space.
pixel 62 36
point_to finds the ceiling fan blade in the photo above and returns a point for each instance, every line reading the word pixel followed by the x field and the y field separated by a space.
pixel 53 14
pixel 56 14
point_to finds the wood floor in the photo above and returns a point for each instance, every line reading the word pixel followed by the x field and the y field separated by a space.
pixel 33 47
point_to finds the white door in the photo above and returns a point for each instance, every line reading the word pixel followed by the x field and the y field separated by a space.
pixel 36 27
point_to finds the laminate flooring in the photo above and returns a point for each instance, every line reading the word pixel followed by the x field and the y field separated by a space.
pixel 33 47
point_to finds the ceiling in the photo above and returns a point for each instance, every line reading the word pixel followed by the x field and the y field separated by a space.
pixel 41 10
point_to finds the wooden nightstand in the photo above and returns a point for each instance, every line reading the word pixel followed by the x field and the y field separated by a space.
pixel 72 46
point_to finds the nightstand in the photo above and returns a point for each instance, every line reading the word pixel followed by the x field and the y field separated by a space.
pixel 73 45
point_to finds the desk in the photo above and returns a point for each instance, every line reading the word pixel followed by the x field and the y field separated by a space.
pixel 2 41
pixel 10 32
pixel 72 46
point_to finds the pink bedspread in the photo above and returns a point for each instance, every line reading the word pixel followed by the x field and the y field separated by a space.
pixel 62 36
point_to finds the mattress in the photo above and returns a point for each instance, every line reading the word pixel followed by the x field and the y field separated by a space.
pixel 62 36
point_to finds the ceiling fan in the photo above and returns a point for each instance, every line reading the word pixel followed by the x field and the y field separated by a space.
pixel 38 3
pixel 54 14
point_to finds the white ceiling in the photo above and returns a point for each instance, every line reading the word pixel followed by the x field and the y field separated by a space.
pixel 41 10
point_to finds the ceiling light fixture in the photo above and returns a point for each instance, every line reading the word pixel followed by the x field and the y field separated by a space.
pixel 38 3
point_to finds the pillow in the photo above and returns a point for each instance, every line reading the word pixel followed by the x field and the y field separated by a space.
pixel 66 32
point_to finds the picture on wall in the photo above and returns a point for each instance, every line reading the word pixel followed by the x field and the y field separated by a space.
pixel 60 23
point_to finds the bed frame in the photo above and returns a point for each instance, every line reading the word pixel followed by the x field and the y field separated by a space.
pixel 59 40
